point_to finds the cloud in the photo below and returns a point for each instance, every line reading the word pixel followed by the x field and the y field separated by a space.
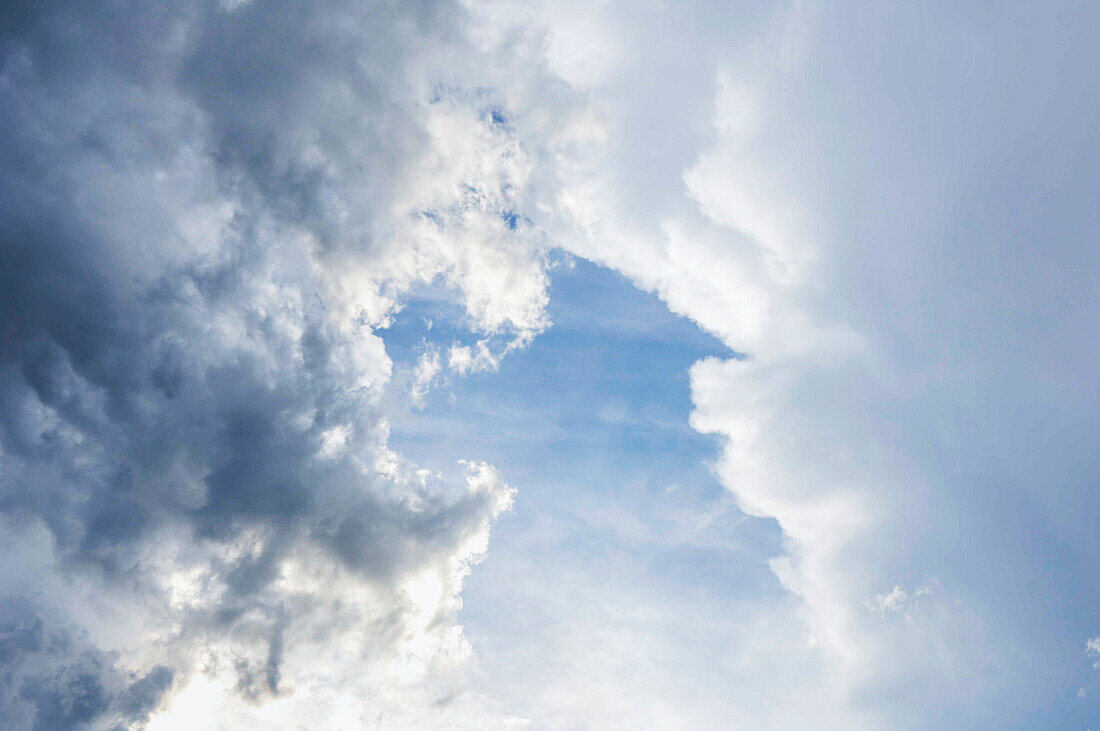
pixel 428 367
pixel 822 203
pixel 899 601
pixel 1092 649
pixel 208 212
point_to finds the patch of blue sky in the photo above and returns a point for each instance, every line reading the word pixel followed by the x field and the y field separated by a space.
pixel 616 496
pixel 601 395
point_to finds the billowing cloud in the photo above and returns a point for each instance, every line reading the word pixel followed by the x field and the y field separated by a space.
pixel 207 213
pixel 886 260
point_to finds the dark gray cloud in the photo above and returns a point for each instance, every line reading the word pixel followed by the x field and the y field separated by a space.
pixel 52 679
pixel 180 365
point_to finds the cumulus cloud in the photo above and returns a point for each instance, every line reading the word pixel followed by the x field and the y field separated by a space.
pixel 790 195
pixel 207 213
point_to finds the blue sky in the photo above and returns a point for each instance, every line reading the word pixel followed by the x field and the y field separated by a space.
pixel 607 383
pixel 477 364
pixel 592 421
pixel 618 500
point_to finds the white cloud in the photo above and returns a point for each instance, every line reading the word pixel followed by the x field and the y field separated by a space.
pixel 899 601
pixel 427 368
pixel 807 197
pixel 1092 649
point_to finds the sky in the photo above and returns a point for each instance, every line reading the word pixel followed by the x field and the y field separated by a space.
pixel 550 365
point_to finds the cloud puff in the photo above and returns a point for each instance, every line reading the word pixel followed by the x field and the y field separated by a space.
pixel 1092 649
